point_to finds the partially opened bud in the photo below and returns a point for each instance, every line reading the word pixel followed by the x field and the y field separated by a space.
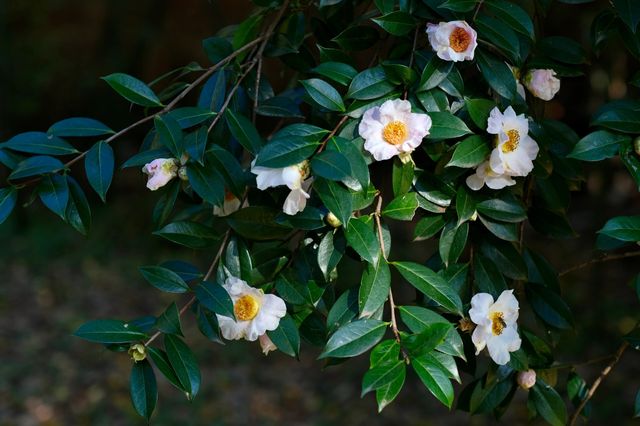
pixel 526 379
pixel 266 344
pixel 332 220
pixel 160 171
pixel 138 352
pixel 542 84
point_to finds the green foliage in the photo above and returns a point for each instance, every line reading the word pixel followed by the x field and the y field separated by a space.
pixel 310 147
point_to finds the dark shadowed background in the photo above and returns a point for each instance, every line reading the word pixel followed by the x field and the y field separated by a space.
pixel 52 53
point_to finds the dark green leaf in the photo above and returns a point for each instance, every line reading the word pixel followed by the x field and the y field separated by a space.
pixel 498 75
pixel 397 23
pixel 453 240
pixel 479 110
pixel 598 145
pixel 79 127
pixel 374 287
pixel 286 337
pixel 381 376
pixel 369 84
pixel 164 279
pixel 336 71
pixel 506 209
pixel 623 228
pixel 428 227
pixel 331 165
pixel 549 306
pixel 436 380
pixel 187 117
pixel 431 284
pixel 258 223
pixel 8 198
pixel 362 239
pixel 189 234
pixel 39 143
pixel 470 152
pixel 143 388
pixel 548 404
pixel 434 73
pixel 354 338
pixel 78 212
pixel 170 134
pixel 53 191
pixel 184 364
pixel 402 208
pixel 207 183
pixel 169 321
pixel 335 197
pixel 324 94
pixel 132 89
pixel 446 126
pixel 215 298
pixel 99 164
pixel 109 331
pixel 629 12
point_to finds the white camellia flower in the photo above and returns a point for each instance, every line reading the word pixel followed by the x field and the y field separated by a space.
pixel 160 171
pixel 485 176
pixel 453 41
pixel 231 204
pixel 266 344
pixel 515 150
pixel 293 177
pixel 496 325
pixel 542 84
pixel 392 129
pixel 256 312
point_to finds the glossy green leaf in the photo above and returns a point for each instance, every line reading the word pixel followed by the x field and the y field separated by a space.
pixel 434 73
pixel 506 209
pixel 453 240
pixel 133 90
pixel 598 145
pixel 548 404
pixel 446 126
pixel 184 364
pixel 258 223
pixel 369 84
pixel 190 234
pixel 374 287
pixel 99 164
pixel 170 134
pixel 79 127
pixel 109 331
pixel 331 165
pixel 78 212
pixel 354 338
pixel 169 321
pixel 479 110
pixel 498 75
pixel 53 191
pixel 402 208
pixel 286 337
pixel 397 23
pixel 164 279
pixel 381 376
pixel 629 12
pixel 470 152
pixel 337 71
pixel 8 198
pixel 324 94
pixel 512 15
pixel 206 182
pixel 549 306
pixel 335 197
pixel 623 228
pixel 39 143
pixel 363 240
pixel 435 380
pixel 431 284
pixel 428 227
pixel 143 388
pixel 214 297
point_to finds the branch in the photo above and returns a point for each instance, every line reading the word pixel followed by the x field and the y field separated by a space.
pixel 230 95
pixel 187 305
pixel 606 258
pixel 167 108
pixel 392 305
pixel 475 14
pixel 597 382
pixel 332 133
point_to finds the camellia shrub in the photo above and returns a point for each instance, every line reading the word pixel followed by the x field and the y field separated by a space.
pixel 430 112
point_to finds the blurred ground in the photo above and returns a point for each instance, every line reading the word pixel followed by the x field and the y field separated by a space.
pixel 51 53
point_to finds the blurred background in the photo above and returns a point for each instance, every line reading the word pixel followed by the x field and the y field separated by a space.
pixel 52 53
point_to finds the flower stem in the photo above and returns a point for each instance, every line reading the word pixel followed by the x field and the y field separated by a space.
pixel 606 258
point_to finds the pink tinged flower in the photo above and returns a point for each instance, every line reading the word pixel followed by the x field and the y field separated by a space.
pixel 515 150
pixel 266 344
pixel 542 84
pixel 255 312
pixel 160 171
pixel 526 379
pixel 496 325
pixel 392 129
pixel 453 41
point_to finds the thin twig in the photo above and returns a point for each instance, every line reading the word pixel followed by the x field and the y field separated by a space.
pixel 600 260
pixel 230 95
pixel 392 304
pixel 597 382
pixel 583 363
pixel 167 108
pixel 332 133
pixel 475 14
pixel 411 57
pixel 187 305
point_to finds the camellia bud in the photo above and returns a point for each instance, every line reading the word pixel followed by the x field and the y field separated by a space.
pixel 526 379
pixel 266 344
pixel 138 352
pixel 332 220
pixel 542 83
pixel 466 325
pixel 636 145
pixel 182 173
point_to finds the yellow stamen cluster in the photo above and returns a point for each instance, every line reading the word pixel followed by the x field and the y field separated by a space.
pixel 512 143
pixel 246 308
pixel 459 40
pixel 395 132
pixel 497 323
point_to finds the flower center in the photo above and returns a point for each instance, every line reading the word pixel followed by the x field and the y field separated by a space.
pixel 246 308
pixel 497 323
pixel 395 132
pixel 304 169
pixel 512 143
pixel 459 40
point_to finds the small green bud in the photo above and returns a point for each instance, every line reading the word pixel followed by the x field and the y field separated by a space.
pixel 182 173
pixel 636 145
pixel 138 352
